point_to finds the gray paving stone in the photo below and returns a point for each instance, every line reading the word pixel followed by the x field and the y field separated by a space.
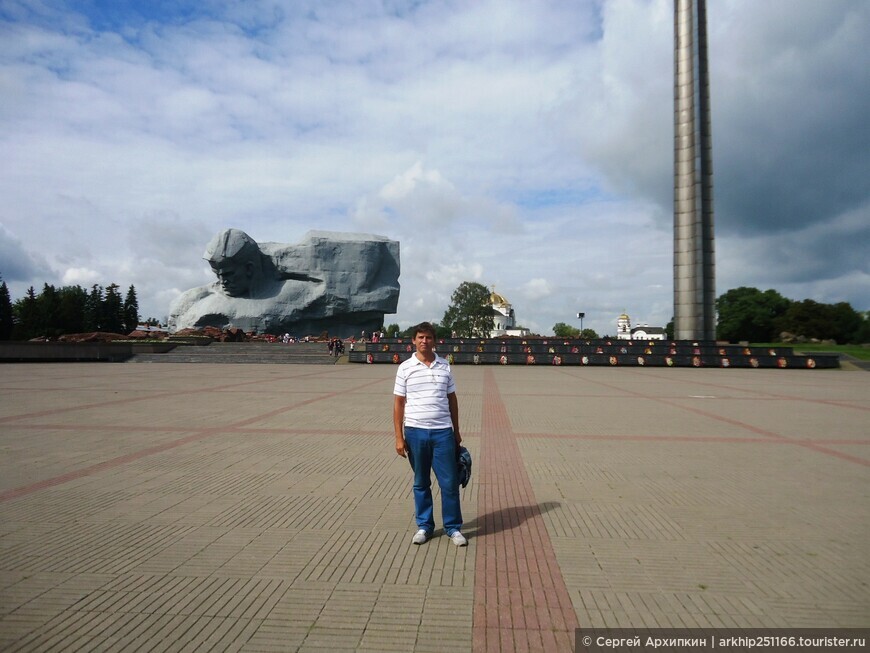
pixel 261 507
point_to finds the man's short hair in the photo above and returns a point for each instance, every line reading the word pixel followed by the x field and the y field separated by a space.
pixel 424 327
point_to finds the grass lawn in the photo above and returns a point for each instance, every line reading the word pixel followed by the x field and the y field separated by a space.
pixel 859 352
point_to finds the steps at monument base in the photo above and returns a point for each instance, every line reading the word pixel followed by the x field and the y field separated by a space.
pixel 310 353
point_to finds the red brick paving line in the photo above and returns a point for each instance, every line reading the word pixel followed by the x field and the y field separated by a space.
pixel 521 602
pixel 807 444
pixel 200 434
pixel 735 439
pixel 143 397
pixel 761 394
pixel 758 395
pixel 770 398
pixel 251 430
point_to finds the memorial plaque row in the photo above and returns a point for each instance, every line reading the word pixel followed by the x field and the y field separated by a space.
pixel 585 348
pixel 735 359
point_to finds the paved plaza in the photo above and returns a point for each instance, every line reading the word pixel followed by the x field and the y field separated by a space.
pixel 172 507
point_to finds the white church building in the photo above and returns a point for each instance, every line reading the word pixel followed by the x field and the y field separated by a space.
pixel 504 320
pixel 624 330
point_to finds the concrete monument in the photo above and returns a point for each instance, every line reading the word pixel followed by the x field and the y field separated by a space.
pixel 342 283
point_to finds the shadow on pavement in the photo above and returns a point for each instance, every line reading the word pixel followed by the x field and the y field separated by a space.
pixel 506 519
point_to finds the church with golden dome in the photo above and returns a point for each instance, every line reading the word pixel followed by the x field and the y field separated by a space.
pixel 504 319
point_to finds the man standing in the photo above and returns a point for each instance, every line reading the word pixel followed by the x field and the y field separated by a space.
pixel 426 421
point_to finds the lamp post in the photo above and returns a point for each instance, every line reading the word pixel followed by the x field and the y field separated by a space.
pixel 580 316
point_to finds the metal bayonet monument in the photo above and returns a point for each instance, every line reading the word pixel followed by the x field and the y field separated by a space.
pixel 694 252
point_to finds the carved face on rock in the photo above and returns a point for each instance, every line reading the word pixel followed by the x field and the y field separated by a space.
pixel 235 277
pixel 234 257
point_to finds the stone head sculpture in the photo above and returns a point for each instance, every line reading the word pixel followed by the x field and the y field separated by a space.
pixel 236 260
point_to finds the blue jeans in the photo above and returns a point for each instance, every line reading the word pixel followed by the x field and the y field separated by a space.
pixel 434 449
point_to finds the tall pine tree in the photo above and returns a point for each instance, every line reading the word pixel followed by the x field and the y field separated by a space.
pixel 131 310
pixel 6 321
pixel 94 309
pixel 49 312
pixel 73 308
pixel 26 311
pixel 113 310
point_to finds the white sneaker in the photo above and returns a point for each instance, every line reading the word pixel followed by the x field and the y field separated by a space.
pixel 420 536
pixel 458 539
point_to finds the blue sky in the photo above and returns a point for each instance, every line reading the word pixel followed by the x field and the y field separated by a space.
pixel 525 145
pixel 118 15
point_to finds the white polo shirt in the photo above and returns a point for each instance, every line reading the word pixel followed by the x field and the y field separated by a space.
pixel 425 389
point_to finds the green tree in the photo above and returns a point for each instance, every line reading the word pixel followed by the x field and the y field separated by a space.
pixel 7 324
pixel 94 309
pixel 862 335
pixel 392 331
pixel 113 310
pixel 26 311
pixel 441 331
pixel 131 310
pixel 813 319
pixel 848 322
pixel 589 334
pixel 470 312
pixel 48 303
pixel 72 309
pixel 750 314
pixel 562 330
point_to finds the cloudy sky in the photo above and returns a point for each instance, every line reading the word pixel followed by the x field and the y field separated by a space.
pixel 524 144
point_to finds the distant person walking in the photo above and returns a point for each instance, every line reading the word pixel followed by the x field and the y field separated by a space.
pixel 426 424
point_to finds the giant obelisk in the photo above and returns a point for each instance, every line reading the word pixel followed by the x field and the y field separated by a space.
pixel 694 253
